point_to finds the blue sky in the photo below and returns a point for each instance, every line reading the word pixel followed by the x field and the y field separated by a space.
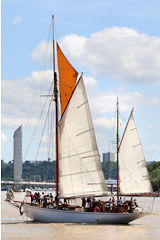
pixel 116 43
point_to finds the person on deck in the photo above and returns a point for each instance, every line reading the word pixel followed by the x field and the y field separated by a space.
pixel 135 203
pixel 38 198
pixel 42 198
pixel 56 200
pixel 51 198
pixel 83 203
pixel 120 202
pixel 88 205
pixel 110 204
pixel 130 205
pixel 113 201
pixel 107 206
pixel 32 197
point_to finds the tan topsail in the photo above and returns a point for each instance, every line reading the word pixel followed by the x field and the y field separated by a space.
pixel 67 79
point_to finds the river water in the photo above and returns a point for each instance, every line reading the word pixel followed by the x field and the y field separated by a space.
pixel 15 227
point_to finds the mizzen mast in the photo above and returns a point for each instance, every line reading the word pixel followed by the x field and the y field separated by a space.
pixel 56 113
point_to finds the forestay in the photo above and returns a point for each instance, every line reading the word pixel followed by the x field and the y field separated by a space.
pixel 133 173
pixel 80 171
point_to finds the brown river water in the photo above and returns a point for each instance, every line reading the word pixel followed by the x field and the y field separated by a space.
pixel 15 227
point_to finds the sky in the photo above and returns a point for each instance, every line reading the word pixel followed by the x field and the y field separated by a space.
pixel 115 43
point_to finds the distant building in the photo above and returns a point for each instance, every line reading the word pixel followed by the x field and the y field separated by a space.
pixel 107 157
pixel 18 154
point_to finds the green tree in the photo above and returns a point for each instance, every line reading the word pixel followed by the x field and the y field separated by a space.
pixel 154 173
pixel 109 169
pixel 7 170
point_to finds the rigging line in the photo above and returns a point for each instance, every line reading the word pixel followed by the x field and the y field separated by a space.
pixel 77 173
pixel 86 131
pixel 47 140
pixel 37 125
pixel 113 134
pixel 70 171
pixel 42 64
pixel 43 131
pixel 48 137
pixel 122 117
pixel 30 113
pixel 34 106
pixel 29 120
pixel 47 54
pixel 50 133
pixel 95 155
pixel 53 124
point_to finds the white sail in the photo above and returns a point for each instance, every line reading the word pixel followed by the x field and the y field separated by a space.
pixel 80 171
pixel 133 173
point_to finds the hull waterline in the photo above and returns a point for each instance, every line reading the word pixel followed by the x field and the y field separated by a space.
pixel 38 214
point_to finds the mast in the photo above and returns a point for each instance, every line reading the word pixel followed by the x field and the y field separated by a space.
pixel 56 113
pixel 117 150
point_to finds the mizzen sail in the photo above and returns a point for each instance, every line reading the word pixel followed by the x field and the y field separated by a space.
pixel 80 172
pixel 67 79
pixel 133 173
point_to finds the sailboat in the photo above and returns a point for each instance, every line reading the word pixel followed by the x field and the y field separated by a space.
pixel 78 168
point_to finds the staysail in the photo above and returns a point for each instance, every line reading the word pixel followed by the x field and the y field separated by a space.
pixel 80 171
pixel 67 78
pixel 133 173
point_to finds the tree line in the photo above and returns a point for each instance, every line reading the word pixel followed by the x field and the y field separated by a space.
pixel 31 171
pixel 46 171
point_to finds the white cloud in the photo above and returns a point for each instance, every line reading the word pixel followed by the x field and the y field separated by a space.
pixel 122 53
pixel 12 121
pixel 17 20
pixel 89 81
pixel 150 126
pixel 70 43
pixel 42 53
pixel 3 137
pixel 106 101
pixel 104 123
pixel 154 147
pixel 21 99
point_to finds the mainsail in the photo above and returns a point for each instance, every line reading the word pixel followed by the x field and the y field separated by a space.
pixel 133 173
pixel 67 78
pixel 80 171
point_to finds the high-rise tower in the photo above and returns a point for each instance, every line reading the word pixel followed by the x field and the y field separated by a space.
pixel 18 154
